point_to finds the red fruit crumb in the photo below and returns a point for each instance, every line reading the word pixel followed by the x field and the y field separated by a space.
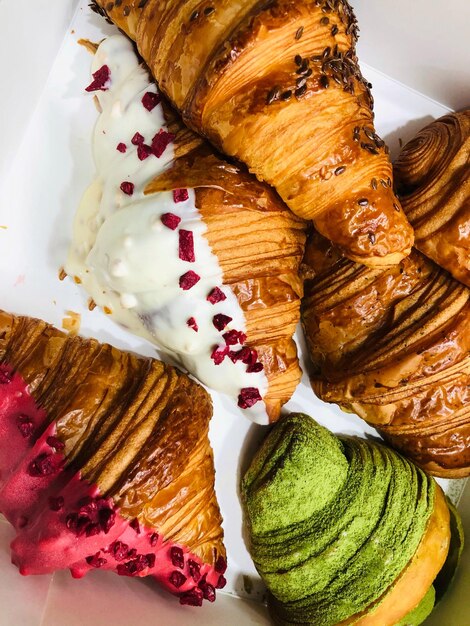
pixel 216 295
pixel 220 321
pixel 246 355
pixel 153 539
pixel 132 553
pixel 248 397
pixel 5 377
pixel 170 220
pixel 219 353
pixel 56 504
pixel 25 425
pixel 220 565
pixel 121 147
pixel 255 368
pixel 96 561
pixel 177 579
pixel 180 195
pixel 151 558
pixel 160 142
pixel 233 337
pixel 119 550
pixel 43 465
pixel 207 589
pixel 192 324
pixel 127 188
pixel 186 246
pixel 177 557
pixel 194 570
pixel 53 442
pixel 188 280
pixel 137 139
pixel 150 100
pixel 143 151
pixel 192 598
pixel 221 582
pixel 100 78
pixel 107 520
pixel 137 565
pixel 135 525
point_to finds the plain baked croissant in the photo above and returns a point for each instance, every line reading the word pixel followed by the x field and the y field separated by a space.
pixel 205 263
pixel 432 176
pixel 105 462
pixel 393 346
pixel 277 85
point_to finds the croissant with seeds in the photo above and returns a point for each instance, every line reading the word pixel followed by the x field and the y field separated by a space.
pixel 277 85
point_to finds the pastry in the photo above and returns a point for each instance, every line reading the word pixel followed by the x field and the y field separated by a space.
pixel 432 176
pixel 393 346
pixel 346 531
pixel 278 86
pixel 184 248
pixel 105 462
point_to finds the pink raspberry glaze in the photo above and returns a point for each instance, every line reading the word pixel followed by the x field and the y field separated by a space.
pixel 45 543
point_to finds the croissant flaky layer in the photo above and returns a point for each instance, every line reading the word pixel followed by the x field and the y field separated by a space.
pixel 106 462
pixel 277 85
pixel 432 176
pixel 393 346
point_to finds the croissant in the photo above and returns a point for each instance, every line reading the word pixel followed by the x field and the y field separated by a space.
pixel 277 85
pixel 184 248
pixel 346 531
pixel 393 346
pixel 105 462
pixel 432 176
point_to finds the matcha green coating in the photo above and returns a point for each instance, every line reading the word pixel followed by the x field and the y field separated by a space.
pixel 333 521
pixel 421 612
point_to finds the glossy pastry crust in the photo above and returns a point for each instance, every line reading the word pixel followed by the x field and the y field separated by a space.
pixel 432 177
pixel 135 427
pixel 393 346
pixel 277 85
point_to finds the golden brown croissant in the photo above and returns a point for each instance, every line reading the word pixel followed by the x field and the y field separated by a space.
pixel 432 176
pixel 393 346
pixel 105 462
pixel 170 209
pixel 277 85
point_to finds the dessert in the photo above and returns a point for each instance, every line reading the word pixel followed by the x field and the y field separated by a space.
pixel 184 248
pixel 432 176
pixel 345 530
pixel 278 86
pixel 105 462
pixel 393 346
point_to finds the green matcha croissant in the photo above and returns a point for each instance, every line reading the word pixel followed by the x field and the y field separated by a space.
pixel 345 530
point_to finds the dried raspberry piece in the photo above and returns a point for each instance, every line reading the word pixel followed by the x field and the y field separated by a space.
pixel 137 139
pixel 160 142
pixel 188 280
pixel 246 355
pixel 153 539
pixel 135 525
pixel 127 188
pixel 56 504
pixel 216 295
pixel 207 589
pixel 221 582
pixel 177 557
pixel 220 321
pixel 100 78
pixel 121 147
pixel 132 553
pixel 180 195
pixel 96 561
pixel 56 443
pixel 25 425
pixel 219 353
pixel 151 558
pixel 255 368
pixel 150 100
pixel 92 530
pixel 194 570
pixel 119 550
pixel 248 397
pixel 107 520
pixel 186 246
pixel 232 337
pixel 43 465
pixel 192 324
pixel 177 579
pixel 194 597
pixel 170 220
pixel 220 565
pixel 5 377
pixel 143 151
pixel 134 567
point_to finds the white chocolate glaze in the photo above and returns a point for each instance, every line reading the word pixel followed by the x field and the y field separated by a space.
pixel 128 260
